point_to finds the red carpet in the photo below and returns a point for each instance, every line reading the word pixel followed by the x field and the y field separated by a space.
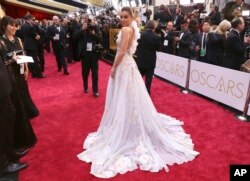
pixel 68 115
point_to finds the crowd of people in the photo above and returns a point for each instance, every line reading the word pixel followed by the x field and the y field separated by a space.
pixel 83 37
pixel 210 40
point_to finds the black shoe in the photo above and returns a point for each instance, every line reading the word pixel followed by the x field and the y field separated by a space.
pixel 14 167
pixel 59 69
pixel 6 179
pixel 66 72
pixel 86 90
pixel 96 94
pixel 20 153
pixel 41 76
pixel 71 61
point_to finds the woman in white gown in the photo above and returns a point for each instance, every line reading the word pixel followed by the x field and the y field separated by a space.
pixel 132 133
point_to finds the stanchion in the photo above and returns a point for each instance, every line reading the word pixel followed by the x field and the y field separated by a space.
pixel 186 89
pixel 243 116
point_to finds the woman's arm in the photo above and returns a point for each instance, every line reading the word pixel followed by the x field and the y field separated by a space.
pixel 125 39
pixel 26 71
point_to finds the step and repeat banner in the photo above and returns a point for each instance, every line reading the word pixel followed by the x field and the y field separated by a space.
pixel 221 84
pixel 172 68
pixel 224 85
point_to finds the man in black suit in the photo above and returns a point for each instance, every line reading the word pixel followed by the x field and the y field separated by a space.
pixel 57 35
pixel 30 37
pixel 178 17
pixel 89 41
pixel 149 43
pixel 183 40
pixel 207 44
pixel 7 117
pixel 167 39
pixel 234 46
pixel 40 43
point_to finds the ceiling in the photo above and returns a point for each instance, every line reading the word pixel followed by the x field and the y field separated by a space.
pixel 55 6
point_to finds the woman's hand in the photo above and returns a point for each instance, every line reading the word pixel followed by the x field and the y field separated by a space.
pixel 113 72
pixel 14 56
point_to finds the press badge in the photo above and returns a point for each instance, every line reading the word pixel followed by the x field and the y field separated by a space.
pixel 56 36
pixel 22 68
pixel 203 52
pixel 89 47
pixel 165 43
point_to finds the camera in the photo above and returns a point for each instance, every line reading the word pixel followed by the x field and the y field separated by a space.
pixel 10 54
pixel 90 28
pixel 9 57
pixel 98 48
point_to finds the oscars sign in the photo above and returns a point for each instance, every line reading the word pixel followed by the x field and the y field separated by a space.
pixel 172 68
pixel 221 84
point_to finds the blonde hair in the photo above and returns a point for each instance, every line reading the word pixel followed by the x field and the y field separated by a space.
pixel 223 27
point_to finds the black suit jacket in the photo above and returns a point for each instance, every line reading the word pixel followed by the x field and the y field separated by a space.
pixel 177 22
pixel 234 51
pixel 211 48
pixel 84 37
pixel 184 43
pixel 169 38
pixel 149 43
pixel 29 34
pixel 57 44
pixel 5 84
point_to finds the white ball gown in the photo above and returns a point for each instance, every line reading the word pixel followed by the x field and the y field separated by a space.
pixel 132 133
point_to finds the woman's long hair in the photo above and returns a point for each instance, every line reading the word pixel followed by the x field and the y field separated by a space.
pixel 223 27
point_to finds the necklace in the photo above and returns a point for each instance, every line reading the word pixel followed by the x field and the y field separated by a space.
pixel 11 39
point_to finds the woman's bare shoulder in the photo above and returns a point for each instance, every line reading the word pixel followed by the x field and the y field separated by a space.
pixel 127 29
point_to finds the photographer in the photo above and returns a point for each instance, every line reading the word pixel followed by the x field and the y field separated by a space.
pixel 237 8
pixel 167 40
pixel 90 48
